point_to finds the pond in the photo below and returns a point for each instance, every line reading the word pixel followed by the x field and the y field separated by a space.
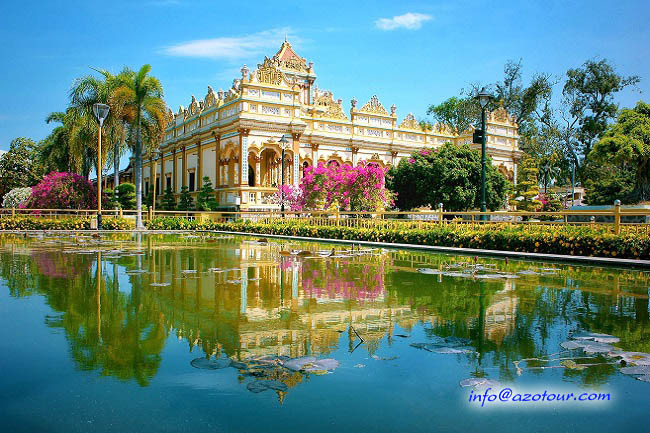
pixel 211 332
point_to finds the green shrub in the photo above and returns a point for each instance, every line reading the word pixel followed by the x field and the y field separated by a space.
pixel 568 240
pixel 69 223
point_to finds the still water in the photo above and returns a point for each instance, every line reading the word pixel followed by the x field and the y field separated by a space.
pixel 220 333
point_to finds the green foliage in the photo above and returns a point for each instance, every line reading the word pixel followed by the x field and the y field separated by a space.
pixel 147 200
pixel 625 149
pixel 168 200
pixel 206 199
pixel 589 91
pixel 569 240
pixel 70 224
pixel 458 114
pixel 606 183
pixel 185 201
pixel 19 167
pixel 527 185
pixel 450 175
pixel 126 195
pixel 109 199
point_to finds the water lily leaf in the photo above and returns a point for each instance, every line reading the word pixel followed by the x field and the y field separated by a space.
pixel 160 284
pixel 298 364
pixel 634 358
pixel 638 369
pixel 645 378
pixel 570 345
pixel 568 363
pixel 479 382
pixel 593 336
pixel 211 364
pixel 454 350
pixel 429 271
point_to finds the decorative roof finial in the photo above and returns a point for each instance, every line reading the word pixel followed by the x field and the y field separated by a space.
pixel 244 72
pixel 354 102
pixel 393 108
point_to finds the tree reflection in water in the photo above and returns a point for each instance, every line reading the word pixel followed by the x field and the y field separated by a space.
pixel 247 301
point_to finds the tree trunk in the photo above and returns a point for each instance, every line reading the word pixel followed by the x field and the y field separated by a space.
pixel 138 177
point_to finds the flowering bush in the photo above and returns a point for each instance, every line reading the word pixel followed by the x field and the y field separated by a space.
pixel 360 188
pixel 63 191
pixel 290 195
pixel 16 197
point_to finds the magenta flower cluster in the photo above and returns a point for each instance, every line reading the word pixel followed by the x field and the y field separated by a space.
pixel 63 191
pixel 342 186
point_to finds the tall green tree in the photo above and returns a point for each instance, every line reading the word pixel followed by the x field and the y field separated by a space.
pixel 626 146
pixel 20 167
pixel 527 185
pixel 456 113
pixel 142 97
pixel 589 99
pixel 450 175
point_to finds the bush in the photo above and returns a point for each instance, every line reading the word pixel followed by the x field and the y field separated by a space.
pixel 63 191
pixel 568 240
pixel 70 224
pixel 16 197
pixel 126 195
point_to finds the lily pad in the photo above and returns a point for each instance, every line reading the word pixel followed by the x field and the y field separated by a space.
pixel 634 358
pixel 572 365
pixel 327 364
pixel 638 369
pixel 645 378
pixel 453 350
pixel 160 284
pixel 429 271
pixel 211 364
pixel 479 382
pixel 298 364
pixel 588 346
pixel 258 386
pixel 593 336
pixel 570 345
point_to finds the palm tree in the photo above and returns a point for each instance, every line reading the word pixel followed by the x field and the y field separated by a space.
pixel 142 98
pixel 86 92
pixel 54 151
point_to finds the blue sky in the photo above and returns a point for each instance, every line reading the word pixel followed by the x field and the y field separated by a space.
pixel 411 54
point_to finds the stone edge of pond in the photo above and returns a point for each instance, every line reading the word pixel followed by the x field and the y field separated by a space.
pixel 609 261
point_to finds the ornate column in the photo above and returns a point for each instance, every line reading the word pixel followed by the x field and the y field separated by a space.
pixel 243 155
pixel 174 170
pixel 163 178
pixel 258 174
pixel 314 154
pixel 217 157
pixel 355 151
pixel 296 159
pixel 199 166
pixel 184 171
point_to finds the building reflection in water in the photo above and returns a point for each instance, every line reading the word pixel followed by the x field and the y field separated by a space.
pixel 242 299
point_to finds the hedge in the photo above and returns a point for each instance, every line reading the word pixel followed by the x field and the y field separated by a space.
pixel 568 240
pixel 72 223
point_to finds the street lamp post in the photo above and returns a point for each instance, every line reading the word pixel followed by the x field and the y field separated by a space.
pixel 283 145
pixel 101 113
pixel 483 99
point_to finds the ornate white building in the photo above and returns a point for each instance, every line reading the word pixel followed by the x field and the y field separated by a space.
pixel 233 137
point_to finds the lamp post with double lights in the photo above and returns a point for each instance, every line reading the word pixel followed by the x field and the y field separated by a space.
pixel 101 113
pixel 483 99
pixel 283 144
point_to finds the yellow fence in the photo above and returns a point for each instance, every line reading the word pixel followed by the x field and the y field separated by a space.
pixel 615 220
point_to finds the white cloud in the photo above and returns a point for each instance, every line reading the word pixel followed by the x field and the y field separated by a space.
pixel 411 21
pixel 246 46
